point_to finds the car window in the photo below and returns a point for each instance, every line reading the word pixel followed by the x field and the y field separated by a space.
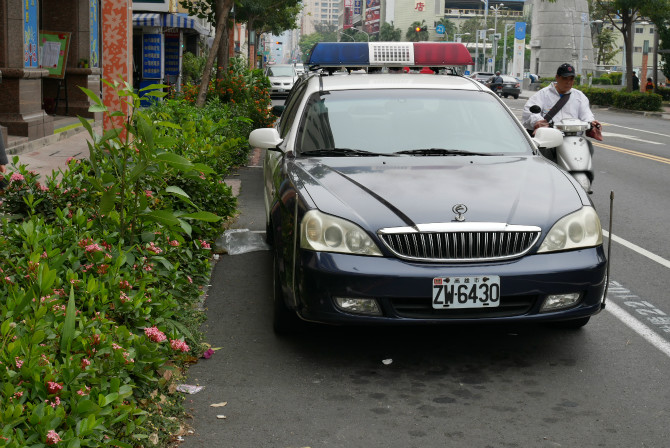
pixel 387 121
pixel 292 101
pixel 281 71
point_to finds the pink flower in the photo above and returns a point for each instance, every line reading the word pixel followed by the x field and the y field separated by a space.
pixel 174 243
pixel 19 362
pixel 148 193
pixel 178 344
pixel 208 354
pixel 204 244
pixel 93 248
pixel 53 387
pixel 154 334
pixel 153 248
pixel 16 177
pixel 52 437
pixel 85 363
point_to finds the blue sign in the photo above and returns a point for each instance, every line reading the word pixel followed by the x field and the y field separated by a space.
pixel 94 33
pixel 30 34
pixel 151 61
pixel 467 73
pixel 439 29
pixel 172 54
pixel 520 30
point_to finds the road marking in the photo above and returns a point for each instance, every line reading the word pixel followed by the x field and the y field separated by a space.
pixel 633 153
pixel 631 137
pixel 653 257
pixel 636 129
pixel 647 333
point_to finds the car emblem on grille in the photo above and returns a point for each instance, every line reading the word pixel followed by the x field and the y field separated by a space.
pixel 460 210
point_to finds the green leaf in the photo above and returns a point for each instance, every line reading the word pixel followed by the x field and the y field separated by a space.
pixel 139 169
pixel 175 160
pixel 153 87
pixel 203 168
pixel 107 201
pixel 202 216
pixel 167 124
pixel 38 337
pixel 164 217
pixel 95 97
pixel 68 326
pixel 97 108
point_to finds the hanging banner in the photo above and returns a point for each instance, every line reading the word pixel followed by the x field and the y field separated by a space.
pixel 30 34
pixel 519 49
pixel 172 54
pixel 94 26
pixel 348 17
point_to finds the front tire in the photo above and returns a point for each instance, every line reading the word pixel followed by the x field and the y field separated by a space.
pixel 284 320
pixel 583 180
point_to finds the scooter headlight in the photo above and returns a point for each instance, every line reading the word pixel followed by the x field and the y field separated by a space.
pixel 578 230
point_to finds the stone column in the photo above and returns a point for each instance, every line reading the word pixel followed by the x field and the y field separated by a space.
pixel 21 89
pixel 117 52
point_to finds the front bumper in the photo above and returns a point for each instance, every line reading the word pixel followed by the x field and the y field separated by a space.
pixel 403 290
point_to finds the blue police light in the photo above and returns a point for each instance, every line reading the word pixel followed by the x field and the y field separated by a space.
pixel 349 54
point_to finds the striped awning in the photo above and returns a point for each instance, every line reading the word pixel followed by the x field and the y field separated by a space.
pixel 147 19
pixel 181 20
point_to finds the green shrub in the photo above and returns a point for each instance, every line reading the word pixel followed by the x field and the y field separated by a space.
pixel 614 77
pixel 102 269
pixel 638 101
pixel 603 80
pixel 600 97
pixel 664 92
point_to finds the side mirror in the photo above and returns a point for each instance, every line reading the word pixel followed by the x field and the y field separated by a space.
pixel 535 109
pixel 548 137
pixel 264 138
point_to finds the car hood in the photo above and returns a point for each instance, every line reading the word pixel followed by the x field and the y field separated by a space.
pixel 400 191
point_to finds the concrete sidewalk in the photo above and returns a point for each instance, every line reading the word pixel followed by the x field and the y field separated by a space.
pixel 50 153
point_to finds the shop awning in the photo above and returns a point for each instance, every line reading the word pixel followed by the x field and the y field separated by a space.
pixel 147 19
pixel 181 20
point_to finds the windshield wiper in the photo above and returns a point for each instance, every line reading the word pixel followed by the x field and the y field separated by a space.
pixel 446 152
pixel 346 152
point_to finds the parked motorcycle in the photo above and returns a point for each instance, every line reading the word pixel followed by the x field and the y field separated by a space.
pixel 575 154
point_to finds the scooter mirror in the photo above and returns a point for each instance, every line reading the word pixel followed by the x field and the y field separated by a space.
pixel 535 109
pixel 548 137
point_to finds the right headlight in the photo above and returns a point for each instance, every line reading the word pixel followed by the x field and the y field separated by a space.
pixel 327 233
pixel 576 231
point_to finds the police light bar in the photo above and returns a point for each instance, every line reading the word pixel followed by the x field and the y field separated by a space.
pixel 389 54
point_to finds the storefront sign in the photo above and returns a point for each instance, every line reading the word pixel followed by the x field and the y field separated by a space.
pixel 151 61
pixel 172 54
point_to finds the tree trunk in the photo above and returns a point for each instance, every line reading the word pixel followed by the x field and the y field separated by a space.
pixel 223 8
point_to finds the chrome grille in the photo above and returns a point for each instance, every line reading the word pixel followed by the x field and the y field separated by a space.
pixel 460 242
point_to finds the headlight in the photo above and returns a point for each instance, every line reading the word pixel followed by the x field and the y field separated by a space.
pixel 575 231
pixel 327 233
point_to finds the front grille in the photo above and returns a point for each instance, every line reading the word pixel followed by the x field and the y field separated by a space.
pixel 460 242
pixel 422 309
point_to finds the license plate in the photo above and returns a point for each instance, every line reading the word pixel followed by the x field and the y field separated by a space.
pixel 466 292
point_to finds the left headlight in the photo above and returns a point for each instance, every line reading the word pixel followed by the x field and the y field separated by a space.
pixel 576 231
pixel 327 233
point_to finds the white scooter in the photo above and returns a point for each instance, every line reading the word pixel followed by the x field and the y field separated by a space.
pixel 575 153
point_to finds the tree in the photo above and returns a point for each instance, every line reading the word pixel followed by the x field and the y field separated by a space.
pixel 413 35
pixel 450 27
pixel 308 41
pixel 605 46
pixel 623 14
pixel 389 33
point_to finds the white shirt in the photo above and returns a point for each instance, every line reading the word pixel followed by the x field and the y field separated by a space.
pixel 576 107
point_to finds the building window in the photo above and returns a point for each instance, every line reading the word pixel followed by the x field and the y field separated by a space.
pixel 637 49
pixel 639 30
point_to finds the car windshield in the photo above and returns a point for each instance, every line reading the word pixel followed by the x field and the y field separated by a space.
pixel 281 71
pixel 409 122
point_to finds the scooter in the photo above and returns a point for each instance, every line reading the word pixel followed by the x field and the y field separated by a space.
pixel 575 154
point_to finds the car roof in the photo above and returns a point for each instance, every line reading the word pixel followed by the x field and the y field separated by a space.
pixel 395 81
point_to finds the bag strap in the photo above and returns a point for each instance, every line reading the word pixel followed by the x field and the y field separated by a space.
pixel 559 104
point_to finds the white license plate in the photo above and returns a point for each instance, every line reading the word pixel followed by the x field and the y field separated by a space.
pixel 466 292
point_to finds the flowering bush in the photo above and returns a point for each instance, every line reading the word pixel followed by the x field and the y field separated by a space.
pixel 102 267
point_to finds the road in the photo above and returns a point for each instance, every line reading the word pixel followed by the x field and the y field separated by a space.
pixel 605 385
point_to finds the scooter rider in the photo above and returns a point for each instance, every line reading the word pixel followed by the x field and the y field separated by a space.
pixel 577 107
pixel 495 81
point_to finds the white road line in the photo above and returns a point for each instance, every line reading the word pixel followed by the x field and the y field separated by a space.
pixel 647 333
pixel 636 129
pixel 630 137
pixel 660 260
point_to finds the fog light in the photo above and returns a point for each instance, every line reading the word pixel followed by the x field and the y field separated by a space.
pixel 559 301
pixel 358 306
